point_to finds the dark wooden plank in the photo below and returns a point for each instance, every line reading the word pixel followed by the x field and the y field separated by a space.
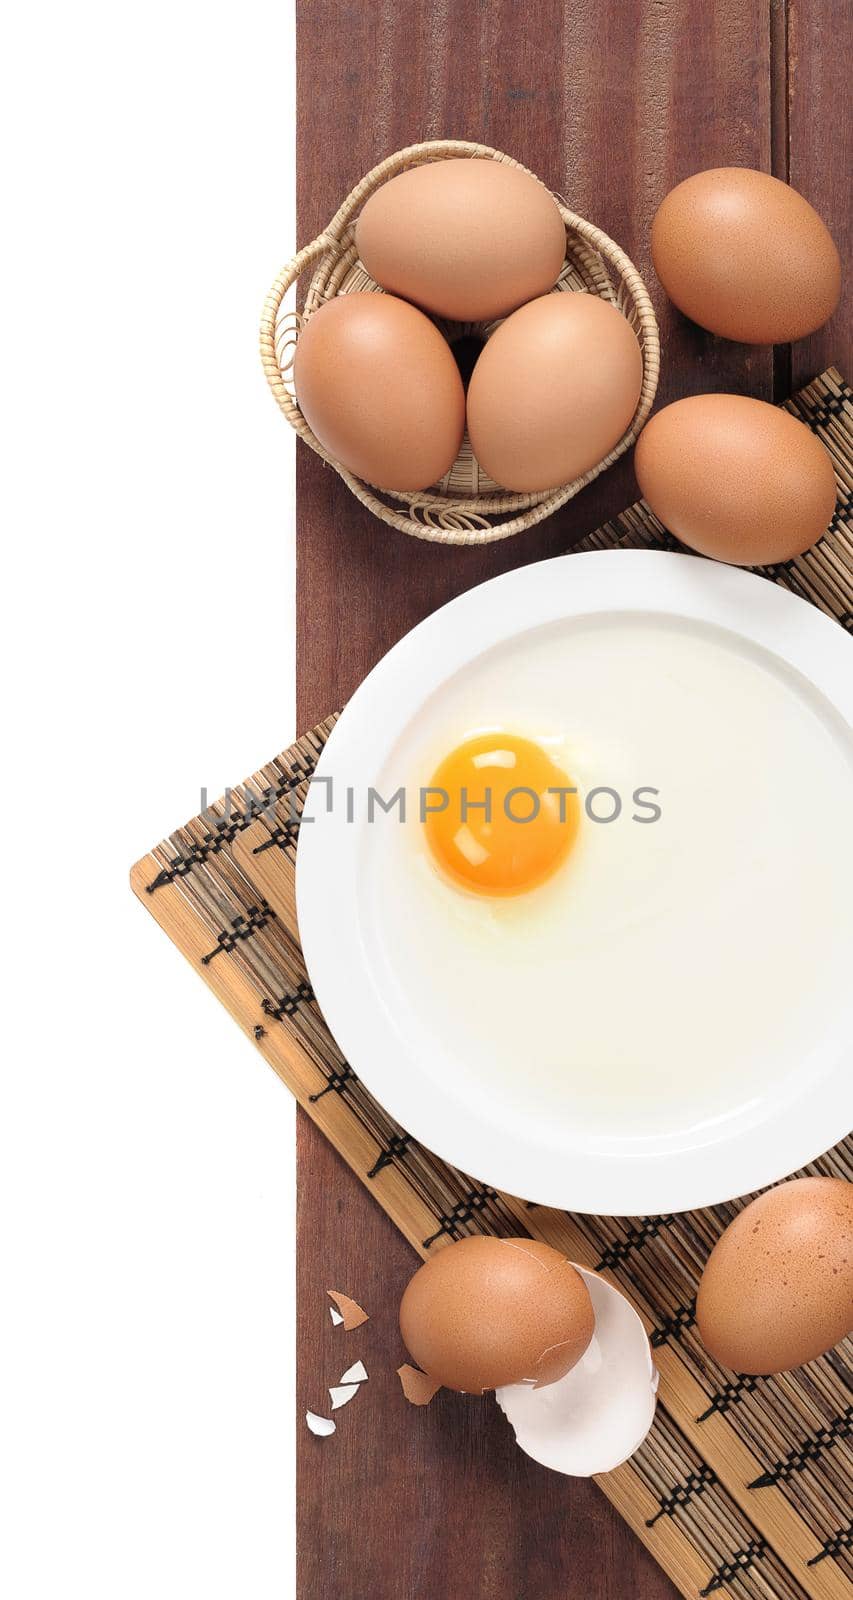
pixel 820 156
pixel 611 103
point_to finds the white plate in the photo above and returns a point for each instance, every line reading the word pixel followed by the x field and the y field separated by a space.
pixel 739 993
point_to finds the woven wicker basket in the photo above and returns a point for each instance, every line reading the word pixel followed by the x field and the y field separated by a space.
pixel 466 507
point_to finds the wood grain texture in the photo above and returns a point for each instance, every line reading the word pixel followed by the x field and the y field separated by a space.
pixel 820 155
pixel 611 103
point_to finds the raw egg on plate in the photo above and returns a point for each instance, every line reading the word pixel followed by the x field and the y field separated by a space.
pixel 549 987
pixel 502 816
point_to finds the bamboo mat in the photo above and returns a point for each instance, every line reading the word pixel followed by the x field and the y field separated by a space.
pixel 744 1485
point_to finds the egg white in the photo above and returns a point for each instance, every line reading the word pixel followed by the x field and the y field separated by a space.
pixel 669 973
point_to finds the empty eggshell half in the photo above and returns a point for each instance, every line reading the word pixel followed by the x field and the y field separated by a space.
pixel 600 1412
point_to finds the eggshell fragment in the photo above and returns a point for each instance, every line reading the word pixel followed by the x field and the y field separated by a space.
pixel 465 239
pixel 735 478
pixel 378 386
pixel 321 1426
pixel 341 1393
pixel 553 391
pixel 777 1289
pixel 357 1373
pixel 418 1388
pixel 600 1412
pixel 350 1311
pixel 485 1312
pixel 746 256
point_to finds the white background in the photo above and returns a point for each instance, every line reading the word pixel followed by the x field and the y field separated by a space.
pixel 146 1152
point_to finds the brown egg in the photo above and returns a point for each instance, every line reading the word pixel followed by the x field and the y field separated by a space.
pixel 485 1312
pixel 777 1289
pixel 553 391
pixel 735 478
pixel 378 386
pixel 466 239
pixel 746 256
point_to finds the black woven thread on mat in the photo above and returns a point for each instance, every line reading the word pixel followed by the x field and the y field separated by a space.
pixel 335 1083
pixel 673 1326
pixel 810 1450
pixel 453 1223
pixel 224 831
pixel 728 1395
pixel 690 1494
pixel 240 929
pixel 258 798
pixel 835 1545
pixel 197 854
pixel 394 1150
pixel 635 1238
pixel 283 837
pixel 736 1565
pixel 287 1004
pixel 694 1484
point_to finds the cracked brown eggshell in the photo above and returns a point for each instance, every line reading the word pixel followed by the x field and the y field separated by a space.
pixel 485 1312
pixel 777 1289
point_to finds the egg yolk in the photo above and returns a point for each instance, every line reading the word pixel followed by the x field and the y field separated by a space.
pixel 500 817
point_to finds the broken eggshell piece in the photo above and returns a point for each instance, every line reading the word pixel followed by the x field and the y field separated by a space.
pixel 599 1413
pixel 418 1387
pixel 323 1427
pixel 341 1393
pixel 349 1311
pixel 351 1381
pixel 357 1373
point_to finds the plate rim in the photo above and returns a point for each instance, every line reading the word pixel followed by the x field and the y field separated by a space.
pixel 600 582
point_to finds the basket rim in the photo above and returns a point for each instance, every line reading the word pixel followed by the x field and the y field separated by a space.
pixel 462 520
